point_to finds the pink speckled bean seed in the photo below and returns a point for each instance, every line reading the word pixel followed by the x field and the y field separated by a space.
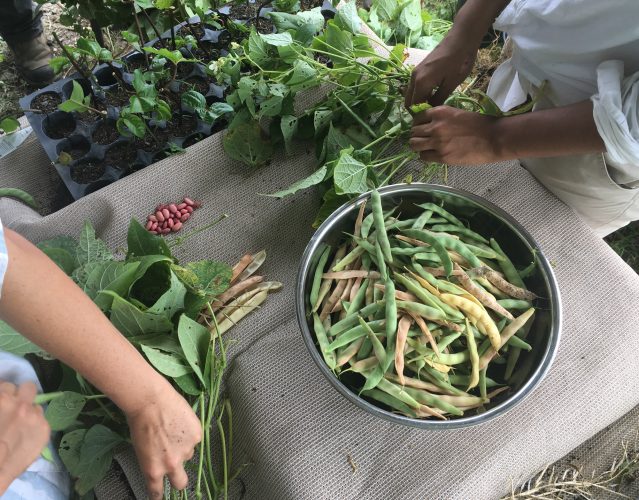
pixel 170 222
pixel 181 206
pixel 177 226
pixel 154 227
pixel 166 213
pixel 184 211
pixel 189 209
pixel 172 208
pixel 152 218
pixel 149 225
pixel 197 204
pixel 160 216
pixel 185 217
pixel 188 201
pixel 153 232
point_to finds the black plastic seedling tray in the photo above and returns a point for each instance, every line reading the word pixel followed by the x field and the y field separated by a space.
pixel 94 155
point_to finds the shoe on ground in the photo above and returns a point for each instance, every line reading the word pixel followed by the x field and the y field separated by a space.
pixel 32 59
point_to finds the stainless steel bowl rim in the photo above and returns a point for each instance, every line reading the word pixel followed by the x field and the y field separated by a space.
pixel 500 409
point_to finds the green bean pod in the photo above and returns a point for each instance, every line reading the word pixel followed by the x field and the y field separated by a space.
pixel 317 277
pixel 322 340
pixel 453 228
pixel 422 220
pixel 354 333
pixel 423 310
pixel 426 398
pixel 510 272
pixel 378 219
pixel 435 243
pixel 440 211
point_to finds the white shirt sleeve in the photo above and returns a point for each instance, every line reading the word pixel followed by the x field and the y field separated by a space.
pixel 616 114
pixel 4 257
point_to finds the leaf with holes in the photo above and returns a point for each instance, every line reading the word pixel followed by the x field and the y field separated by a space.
pixel 63 411
pixel 350 175
pixel 245 143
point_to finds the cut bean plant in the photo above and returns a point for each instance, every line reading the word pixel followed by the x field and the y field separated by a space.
pixel 431 316
pixel 175 314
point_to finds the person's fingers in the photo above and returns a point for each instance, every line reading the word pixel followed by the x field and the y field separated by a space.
pixel 422 144
pixel 430 156
pixel 27 392
pixel 190 454
pixel 423 117
pixel 178 477
pixel 8 388
pixel 155 483
pixel 408 95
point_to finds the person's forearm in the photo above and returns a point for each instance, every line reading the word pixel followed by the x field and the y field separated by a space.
pixel 44 305
pixel 553 132
pixel 475 18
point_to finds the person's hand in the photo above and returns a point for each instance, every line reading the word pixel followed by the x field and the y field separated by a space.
pixel 164 431
pixel 442 70
pixel 24 432
pixel 456 137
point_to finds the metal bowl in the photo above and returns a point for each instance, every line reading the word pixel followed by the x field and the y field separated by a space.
pixel 488 220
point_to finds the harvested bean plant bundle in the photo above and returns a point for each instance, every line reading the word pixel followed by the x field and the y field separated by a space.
pixel 430 314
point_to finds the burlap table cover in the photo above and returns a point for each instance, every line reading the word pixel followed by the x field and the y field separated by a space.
pixel 296 432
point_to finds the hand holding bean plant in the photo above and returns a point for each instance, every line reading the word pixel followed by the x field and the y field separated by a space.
pixel 360 127
pixel 430 315
pixel 175 314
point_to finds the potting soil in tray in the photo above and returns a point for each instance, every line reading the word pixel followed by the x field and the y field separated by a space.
pixel 87 149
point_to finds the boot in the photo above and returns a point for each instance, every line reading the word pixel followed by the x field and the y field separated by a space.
pixel 32 59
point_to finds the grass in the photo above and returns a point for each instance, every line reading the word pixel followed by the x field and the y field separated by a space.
pixel 625 242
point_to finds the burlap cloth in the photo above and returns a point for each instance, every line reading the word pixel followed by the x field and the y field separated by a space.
pixel 298 435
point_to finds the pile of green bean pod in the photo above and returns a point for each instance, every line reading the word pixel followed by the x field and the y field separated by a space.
pixel 431 314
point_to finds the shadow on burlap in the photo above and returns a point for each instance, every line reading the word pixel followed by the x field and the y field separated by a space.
pixel 296 432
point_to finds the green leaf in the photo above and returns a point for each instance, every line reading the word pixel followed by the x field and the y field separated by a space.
pixel 304 76
pixel 350 175
pixel 428 42
pixel 70 245
pixel 11 341
pixel 117 277
pixel 139 104
pixel 411 16
pixel 162 341
pixel 88 47
pixel 336 141
pixel 47 454
pixel 69 450
pixel 387 10
pixel 59 63
pixel 63 411
pixel 171 301
pixel 132 322
pixel 140 242
pixel 9 125
pixel 271 106
pixel 163 110
pixel 277 39
pixel 213 277
pixel 96 455
pixel 187 385
pixel 312 180
pixel 175 56
pixel 257 50
pixel 129 124
pixel 215 111
pixel 245 143
pixel 195 340
pixel 167 364
pixel 288 125
pixel 321 120
pixel 347 17
pixel 163 4
pixel 194 99
pixel 130 37
pixel 332 201
pixel 90 248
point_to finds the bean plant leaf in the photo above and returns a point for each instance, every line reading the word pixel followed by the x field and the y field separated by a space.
pixel 213 277
pixel 215 111
pixel 194 99
pixel 304 76
pixel 77 101
pixel 195 340
pixel 13 342
pixel 167 364
pixel 288 125
pixel 91 248
pixel 140 242
pixel 96 455
pixel 387 10
pixel 59 63
pixel 321 120
pixel 350 175
pixel 257 50
pixel 312 180
pixel 411 16
pixel 69 450
pixel 131 321
pixel 277 39
pixel 188 385
pixel 245 143
pixel 9 125
pixel 347 17
pixel 271 106
pixel 131 124
pixel 117 277
pixel 171 301
pixel 161 341
pixel 332 201
pixel 66 243
pixel 63 411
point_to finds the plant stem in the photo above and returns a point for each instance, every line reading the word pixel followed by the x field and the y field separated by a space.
pixel 97 31
pixel 87 76
pixel 182 239
pixel 154 27
pixel 172 18
pixel 198 488
pixel 364 125
pixel 140 34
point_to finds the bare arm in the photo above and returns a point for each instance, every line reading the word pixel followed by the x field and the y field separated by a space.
pixel 456 137
pixel 43 304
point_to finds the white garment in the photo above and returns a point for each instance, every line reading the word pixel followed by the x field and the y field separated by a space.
pixel 584 49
